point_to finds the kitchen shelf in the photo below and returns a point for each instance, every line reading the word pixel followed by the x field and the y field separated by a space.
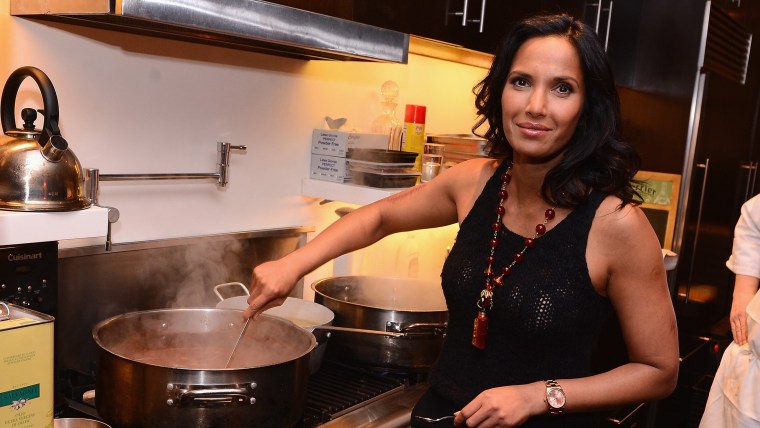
pixel 20 227
pixel 344 192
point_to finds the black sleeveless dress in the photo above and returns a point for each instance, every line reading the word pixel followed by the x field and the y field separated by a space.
pixel 545 319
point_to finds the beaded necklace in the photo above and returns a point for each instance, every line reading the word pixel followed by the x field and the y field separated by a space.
pixel 485 302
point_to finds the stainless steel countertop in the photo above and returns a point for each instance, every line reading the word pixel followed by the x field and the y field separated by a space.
pixel 393 411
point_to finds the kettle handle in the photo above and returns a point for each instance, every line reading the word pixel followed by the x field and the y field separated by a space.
pixel 10 90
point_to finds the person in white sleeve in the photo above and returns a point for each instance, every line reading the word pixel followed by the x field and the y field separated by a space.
pixel 734 399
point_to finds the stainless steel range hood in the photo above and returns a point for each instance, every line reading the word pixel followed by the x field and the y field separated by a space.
pixel 242 24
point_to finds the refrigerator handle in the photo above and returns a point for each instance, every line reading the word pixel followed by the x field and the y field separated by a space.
pixel 482 15
pixel 706 167
pixel 751 174
pixel 598 19
pixel 609 24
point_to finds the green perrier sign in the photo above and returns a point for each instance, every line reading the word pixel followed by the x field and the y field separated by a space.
pixel 656 192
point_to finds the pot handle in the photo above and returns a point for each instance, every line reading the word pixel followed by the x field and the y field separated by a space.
pixel 10 90
pixel 417 328
pixel 394 329
pixel 229 284
pixel 359 330
pixel 205 396
pixel 5 312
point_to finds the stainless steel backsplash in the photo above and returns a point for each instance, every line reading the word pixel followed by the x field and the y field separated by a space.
pixel 94 284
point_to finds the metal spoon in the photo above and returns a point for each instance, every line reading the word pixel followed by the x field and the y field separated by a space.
pixel 242 333
pixel 431 420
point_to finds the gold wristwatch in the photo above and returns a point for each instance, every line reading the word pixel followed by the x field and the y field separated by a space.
pixel 555 397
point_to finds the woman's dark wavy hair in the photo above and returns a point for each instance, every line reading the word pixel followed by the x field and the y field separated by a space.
pixel 596 157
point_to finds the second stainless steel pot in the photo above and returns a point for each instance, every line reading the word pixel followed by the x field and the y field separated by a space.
pixel 165 368
pixel 412 312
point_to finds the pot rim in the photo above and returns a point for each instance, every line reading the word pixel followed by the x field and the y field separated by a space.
pixel 287 310
pixel 102 324
pixel 73 422
pixel 316 283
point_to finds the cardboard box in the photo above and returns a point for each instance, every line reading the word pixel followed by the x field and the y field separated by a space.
pixel 26 364
pixel 330 168
pixel 336 143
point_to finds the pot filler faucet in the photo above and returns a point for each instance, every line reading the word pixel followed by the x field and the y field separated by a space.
pixel 94 177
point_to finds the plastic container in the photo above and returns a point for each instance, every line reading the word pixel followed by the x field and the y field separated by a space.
pixel 461 143
pixel 381 168
pixel 382 156
pixel 383 180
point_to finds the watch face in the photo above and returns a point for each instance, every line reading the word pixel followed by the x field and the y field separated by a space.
pixel 555 398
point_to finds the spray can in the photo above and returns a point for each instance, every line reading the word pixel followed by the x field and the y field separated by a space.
pixel 413 138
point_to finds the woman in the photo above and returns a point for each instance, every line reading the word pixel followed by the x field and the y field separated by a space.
pixel 550 243
pixel 734 399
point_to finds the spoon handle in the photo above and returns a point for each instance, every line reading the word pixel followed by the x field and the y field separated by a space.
pixel 442 418
pixel 237 343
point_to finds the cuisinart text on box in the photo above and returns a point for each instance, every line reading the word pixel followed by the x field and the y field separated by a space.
pixel 336 143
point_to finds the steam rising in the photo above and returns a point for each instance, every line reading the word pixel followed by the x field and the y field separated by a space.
pixel 184 276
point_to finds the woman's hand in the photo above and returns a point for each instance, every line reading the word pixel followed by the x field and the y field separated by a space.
pixel 739 317
pixel 744 290
pixel 507 406
pixel 271 282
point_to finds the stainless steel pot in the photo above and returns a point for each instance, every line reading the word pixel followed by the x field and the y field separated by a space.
pixel 165 368
pixel 38 170
pixel 78 423
pixel 409 318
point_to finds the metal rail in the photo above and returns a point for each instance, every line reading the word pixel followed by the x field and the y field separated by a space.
pixel 94 177
pixel 221 175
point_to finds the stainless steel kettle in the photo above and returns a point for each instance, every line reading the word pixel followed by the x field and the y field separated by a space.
pixel 38 170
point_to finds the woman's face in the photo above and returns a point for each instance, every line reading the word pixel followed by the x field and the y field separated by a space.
pixel 543 99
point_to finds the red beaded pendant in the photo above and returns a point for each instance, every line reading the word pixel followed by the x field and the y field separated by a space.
pixel 480 330
pixel 485 302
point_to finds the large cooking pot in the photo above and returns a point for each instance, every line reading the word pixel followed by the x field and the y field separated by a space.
pixel 78 423
pixel 166 368
pixel 409 316
pixel 39 172
pixel 307 315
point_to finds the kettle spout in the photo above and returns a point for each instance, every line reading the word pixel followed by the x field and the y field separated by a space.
pixel 54 146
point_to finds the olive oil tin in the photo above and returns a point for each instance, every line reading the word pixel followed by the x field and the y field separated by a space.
pixel 26 368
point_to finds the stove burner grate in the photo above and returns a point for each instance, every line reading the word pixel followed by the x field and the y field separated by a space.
pixel 336 389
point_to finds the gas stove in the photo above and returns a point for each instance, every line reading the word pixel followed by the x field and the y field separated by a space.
pixel 146 275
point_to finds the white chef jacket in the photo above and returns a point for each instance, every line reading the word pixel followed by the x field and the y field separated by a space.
pixel 734 399
pixel 745 254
